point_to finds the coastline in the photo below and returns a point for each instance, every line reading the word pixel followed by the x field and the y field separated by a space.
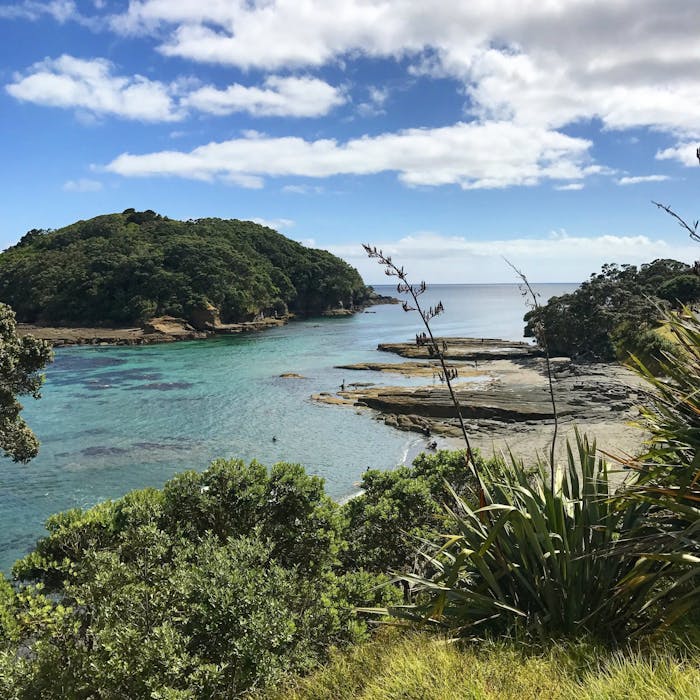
pixel 60 336
pixel 169 329
pixel 504 400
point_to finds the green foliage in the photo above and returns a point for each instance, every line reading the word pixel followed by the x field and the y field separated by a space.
pixel 21 360
pixel 594 321
pixel 683 289
pixel 124 268
pixel 672 411
pixel 668 474
pixel 541 563
pixel 401 666
pixel 647 344
pixel 399 508
pixel 221 582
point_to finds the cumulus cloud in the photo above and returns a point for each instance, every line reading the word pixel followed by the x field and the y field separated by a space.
pixel 471 155
pixel 627 62
pixel 91 85
pixel 536 65
pixel 82 185
pixel 302 96
pixel 556 258
pixel 571 187
pixel 637 179
pixel 685 153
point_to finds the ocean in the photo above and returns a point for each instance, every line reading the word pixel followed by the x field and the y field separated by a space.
pixel 112 419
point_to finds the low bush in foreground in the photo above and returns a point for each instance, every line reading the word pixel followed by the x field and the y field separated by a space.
pixel 397 509
pixel 222 582
pixel 531 561
pixel 538 561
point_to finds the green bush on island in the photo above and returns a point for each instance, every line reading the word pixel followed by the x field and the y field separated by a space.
pixel 610 315
pixel 124 268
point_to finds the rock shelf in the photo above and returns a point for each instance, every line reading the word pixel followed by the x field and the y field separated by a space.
pixel 511 407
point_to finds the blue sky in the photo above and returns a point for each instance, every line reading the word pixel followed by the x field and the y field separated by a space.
pixel 450 135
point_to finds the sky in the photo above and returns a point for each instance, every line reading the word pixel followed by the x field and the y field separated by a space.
pixel 448 134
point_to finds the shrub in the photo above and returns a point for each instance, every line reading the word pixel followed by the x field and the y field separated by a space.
pixel 398 509
pixel 537 562
pixel 221 582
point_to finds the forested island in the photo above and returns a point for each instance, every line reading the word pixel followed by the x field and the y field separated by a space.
pixel 123 269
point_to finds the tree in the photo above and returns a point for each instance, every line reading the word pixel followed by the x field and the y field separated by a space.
pixel 20 362
pixel 218 584
pixel 682 289
pixel 609 315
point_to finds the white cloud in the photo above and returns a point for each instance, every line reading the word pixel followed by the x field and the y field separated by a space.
pixel 280 96
pixel 571 187
pixel 537 65
pixel 82 185
pixel 303 189
pixel 275 224
pixel 685 153
pixel 374 105
pixel 637 179
pixel 248 182
pixel 59 10
pixel 560 258
pixel 629 63
pixel 91 85
pixel 471 155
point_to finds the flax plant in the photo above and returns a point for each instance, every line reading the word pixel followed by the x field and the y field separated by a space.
pixel 536 562
pixel 668 474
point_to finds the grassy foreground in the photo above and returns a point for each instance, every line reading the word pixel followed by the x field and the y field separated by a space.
pixel 418 666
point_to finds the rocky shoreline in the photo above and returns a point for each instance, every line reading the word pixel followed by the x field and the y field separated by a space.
pixel 503 393
pixel 164 329
pixel 168 329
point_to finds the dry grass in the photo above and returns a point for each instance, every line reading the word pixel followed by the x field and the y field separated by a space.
pixel 420 667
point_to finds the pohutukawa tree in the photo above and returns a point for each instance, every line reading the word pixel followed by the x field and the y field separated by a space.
pixel 21 360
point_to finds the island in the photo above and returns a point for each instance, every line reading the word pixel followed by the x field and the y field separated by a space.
pixel 138 277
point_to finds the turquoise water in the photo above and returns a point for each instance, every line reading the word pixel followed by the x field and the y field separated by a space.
pixel 113 419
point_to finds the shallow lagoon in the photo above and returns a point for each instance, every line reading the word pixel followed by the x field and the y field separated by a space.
pixel 117 418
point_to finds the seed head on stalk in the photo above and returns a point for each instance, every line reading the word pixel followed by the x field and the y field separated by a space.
pixel 427 338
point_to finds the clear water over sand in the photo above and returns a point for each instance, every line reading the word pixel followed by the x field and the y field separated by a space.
pixel 112 419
